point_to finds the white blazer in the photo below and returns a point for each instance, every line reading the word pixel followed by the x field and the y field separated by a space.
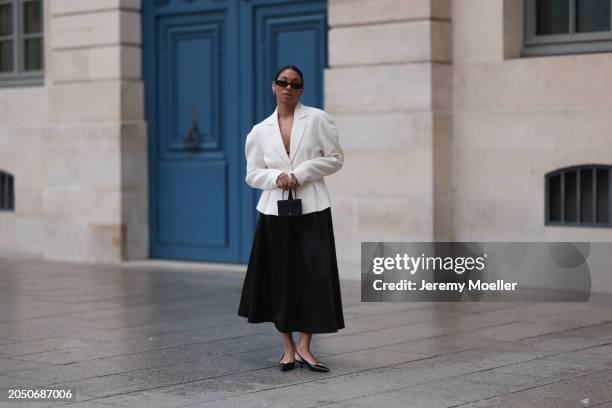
pixel 315 152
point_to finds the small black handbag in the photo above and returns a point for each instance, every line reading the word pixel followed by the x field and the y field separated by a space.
pixel 291 207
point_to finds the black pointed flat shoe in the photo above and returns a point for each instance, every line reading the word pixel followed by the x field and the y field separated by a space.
pixel 286 366
pixel 313 367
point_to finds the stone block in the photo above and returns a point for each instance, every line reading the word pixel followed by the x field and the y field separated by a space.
pixel 441 41
pixel 61 166
pixel 98 63
pixel 74 242
pixel 391 43
pixel 132 100
pixel 59 7
pixel 383 88
pixel 526 83
pixel 96 101
pixel 131 27
pixel 389 173
pixel 23 105
pixel 472 10
pixel 384 130
pixel 28 200
pixel 99 168
pixel 513 9
pixel 478 41
pixel 131 62
pixel 29 234
pixel 349 12
pixel 394 219
pixel 109 27
pixel 106 243
pixel 134 206
pixel 442 87
pixel 83 155
pixel 137 241
pixel 134 156
pixel 442 148
pixel 513 38
pixel 8 226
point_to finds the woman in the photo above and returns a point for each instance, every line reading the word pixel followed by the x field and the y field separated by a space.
pixel 292 276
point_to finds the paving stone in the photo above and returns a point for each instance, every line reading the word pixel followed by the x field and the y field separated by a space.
pixel 399 318
pixel 191 393
pixel 599 331
pixel 8 365
pixel 31 347
pixel 114 384
pixel 330 389
pixel 514 331
pixel 574 319
pixel 567 365
pixel 595 387
pixel 442 345
pixel 149 343
pixel 69 356
pixel 402 398
pixel 481 385
pixel 466 362
pixel 561 342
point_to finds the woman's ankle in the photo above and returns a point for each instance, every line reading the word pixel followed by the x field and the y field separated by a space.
pixel 302 349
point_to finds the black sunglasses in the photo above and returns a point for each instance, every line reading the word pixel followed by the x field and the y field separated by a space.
pixel 283 84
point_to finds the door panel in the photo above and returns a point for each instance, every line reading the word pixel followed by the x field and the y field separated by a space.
pixel 288 33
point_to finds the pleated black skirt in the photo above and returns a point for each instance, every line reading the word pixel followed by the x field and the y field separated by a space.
pixel 292 277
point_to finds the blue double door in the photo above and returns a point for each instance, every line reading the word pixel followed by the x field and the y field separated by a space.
pixel 208 67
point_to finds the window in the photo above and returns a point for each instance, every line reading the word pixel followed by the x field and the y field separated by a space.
pixel 579 196
pixel 7 192
pixel 567 26
pixel 21 42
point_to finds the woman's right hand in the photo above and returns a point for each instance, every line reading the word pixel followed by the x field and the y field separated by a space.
pixel 283 181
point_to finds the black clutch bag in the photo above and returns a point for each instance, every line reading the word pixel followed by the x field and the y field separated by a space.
pixel 291 207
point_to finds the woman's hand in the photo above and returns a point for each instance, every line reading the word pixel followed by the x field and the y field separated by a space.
pixel 293 183
pixel 283 181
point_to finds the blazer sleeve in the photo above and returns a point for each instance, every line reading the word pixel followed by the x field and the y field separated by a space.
pixel 332 155
pixel 258 175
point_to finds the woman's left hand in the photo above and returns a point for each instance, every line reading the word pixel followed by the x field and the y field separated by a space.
pixel 293 183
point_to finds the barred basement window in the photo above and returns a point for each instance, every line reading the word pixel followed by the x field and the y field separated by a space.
pixel 579 196
pixel 7 192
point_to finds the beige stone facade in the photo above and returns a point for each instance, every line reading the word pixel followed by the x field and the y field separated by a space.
pixel 448 132
pixel 77 145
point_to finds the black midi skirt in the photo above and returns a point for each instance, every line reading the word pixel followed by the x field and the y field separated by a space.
pixel 292 277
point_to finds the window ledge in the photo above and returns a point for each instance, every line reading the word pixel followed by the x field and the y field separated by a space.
pixel 14 81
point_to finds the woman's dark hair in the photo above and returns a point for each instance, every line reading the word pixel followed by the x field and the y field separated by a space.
pixel 291 67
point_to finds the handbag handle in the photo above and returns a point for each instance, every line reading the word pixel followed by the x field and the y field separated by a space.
pixel 290 195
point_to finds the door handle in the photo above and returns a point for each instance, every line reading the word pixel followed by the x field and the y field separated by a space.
pixel 192 140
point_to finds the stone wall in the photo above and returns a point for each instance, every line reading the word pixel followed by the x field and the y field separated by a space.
pixel 77 145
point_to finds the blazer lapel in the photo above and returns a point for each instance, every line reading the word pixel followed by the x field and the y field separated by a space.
pixel 300 121
pixel 277 138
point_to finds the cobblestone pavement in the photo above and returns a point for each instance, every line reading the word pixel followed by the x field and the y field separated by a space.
pixel 159 336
